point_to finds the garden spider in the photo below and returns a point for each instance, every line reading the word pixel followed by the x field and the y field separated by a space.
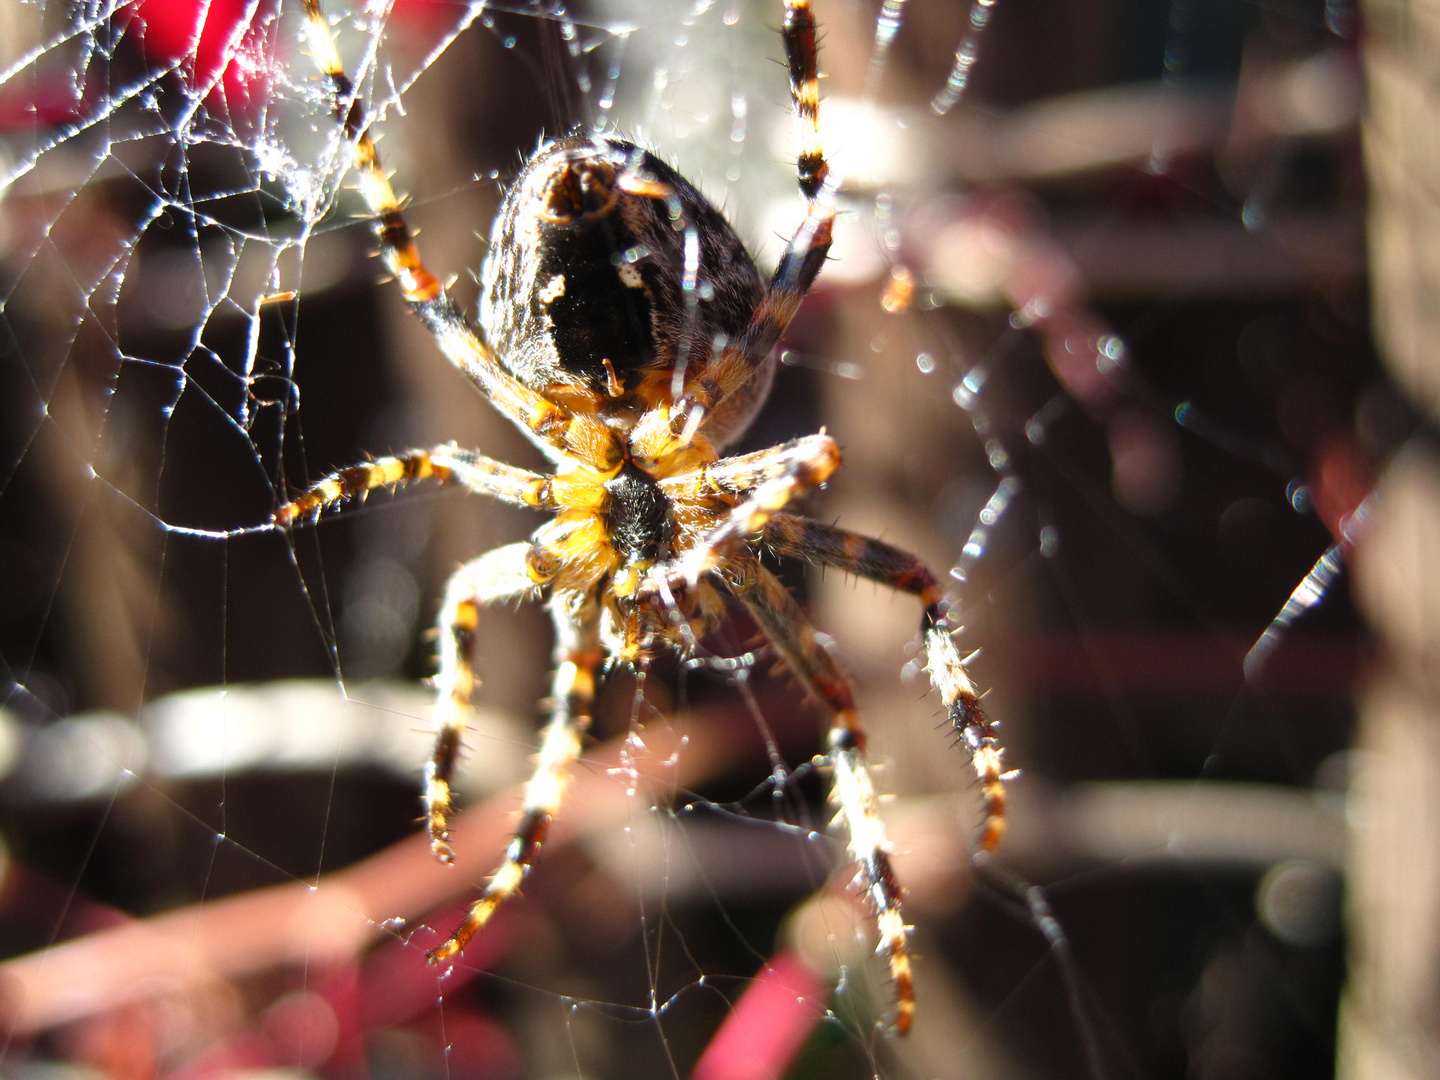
pixel 625 328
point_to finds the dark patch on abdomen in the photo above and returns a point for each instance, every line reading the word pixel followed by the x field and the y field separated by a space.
pixel 598 316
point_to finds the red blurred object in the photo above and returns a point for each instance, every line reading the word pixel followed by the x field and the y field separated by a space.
pixel 222 47
pixel 49 102
pixel 768 1025
pixel 225 50
pixel 1340 480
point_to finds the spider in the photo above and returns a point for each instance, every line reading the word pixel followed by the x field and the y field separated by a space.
pixel 625 328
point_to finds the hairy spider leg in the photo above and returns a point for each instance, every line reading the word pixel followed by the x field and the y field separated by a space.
pixel 577 657
pixel 778 476
pixel 480 474
pixel 577 435
pixel 824 545
pixel 851 788
pixel 801 56
pixel 742 360
pixel 743 473
pixel 506 573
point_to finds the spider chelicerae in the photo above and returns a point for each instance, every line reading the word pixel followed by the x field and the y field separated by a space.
pixel 625 328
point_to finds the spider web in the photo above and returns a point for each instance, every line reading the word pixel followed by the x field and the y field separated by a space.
pixel 1096 338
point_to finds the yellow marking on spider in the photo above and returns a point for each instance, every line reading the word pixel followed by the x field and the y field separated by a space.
pixel 613 386
pixel 633 184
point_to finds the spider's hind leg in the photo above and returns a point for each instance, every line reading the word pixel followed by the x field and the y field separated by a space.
pixel 463 344
pixel 824 545
pixel 780 617
pixel 742 367
pixel 577 658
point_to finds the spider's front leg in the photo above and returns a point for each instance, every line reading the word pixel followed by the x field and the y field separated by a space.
pixel 507 573
pixel 815 542
pixel 577 657
pixel 782 621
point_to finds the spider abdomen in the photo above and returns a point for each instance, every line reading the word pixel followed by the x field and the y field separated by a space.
pixel 608 271
pixel 595 304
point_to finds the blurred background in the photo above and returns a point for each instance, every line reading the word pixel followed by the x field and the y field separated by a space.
pixel 1125 336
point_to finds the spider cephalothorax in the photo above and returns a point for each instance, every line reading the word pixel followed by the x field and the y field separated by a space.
pixel 625 328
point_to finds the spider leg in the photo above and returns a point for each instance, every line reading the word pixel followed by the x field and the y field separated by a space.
pixel 480 474
pixel 506 573
pixel 577 656
pixel 743 473
pixel 464 345
pixel 780 617
pixel 825 545
pixel 773 479
pixel 736 369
